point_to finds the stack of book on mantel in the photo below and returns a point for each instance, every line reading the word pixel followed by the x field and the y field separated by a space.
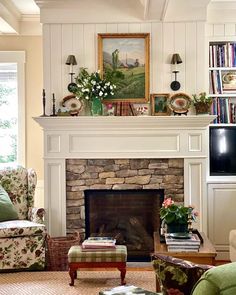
pixel 99 244
pixel 178 243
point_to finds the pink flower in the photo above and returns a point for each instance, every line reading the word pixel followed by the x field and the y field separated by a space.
pixel 168 202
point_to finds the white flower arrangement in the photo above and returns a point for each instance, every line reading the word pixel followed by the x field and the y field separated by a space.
pixel 89 86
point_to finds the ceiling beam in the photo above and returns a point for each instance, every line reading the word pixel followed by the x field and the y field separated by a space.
pixel 10 16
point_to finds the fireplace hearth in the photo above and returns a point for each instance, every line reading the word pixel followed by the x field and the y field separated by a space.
pixel 129 216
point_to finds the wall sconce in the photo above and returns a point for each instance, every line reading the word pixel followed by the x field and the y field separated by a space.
pixel 71 61
pixel 175 85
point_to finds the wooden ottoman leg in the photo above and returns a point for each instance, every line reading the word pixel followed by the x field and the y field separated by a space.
pixel 122 274
pixel 73 275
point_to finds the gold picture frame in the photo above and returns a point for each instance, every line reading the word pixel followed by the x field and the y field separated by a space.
pixel 124 59
pixel 159 103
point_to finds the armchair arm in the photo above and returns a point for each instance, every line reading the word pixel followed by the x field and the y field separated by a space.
pixel 36 214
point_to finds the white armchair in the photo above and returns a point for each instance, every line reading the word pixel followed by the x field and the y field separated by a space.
pixel 232 245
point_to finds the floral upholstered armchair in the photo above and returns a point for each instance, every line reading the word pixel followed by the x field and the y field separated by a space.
pixel 22 235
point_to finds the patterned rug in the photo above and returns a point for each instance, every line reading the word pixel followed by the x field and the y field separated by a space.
pixel 57 283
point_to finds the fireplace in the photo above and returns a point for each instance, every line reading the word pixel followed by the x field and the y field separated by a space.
pixel 129 216
pixel 110 137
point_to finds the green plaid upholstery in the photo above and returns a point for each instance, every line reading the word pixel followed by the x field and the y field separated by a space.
pixel 76 254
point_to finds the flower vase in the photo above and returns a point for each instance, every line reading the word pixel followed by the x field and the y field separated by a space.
pixel 86 108
pixel 96 107
pixel 177 227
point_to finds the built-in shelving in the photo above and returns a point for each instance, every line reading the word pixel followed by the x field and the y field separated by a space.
pixel 222 80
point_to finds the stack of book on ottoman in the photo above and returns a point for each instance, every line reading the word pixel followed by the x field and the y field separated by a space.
pixel 99 244
pixel 177 242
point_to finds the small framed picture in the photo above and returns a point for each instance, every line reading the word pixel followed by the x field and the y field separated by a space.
pixel 159 103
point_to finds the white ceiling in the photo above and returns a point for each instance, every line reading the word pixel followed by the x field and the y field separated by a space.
pixel 14 12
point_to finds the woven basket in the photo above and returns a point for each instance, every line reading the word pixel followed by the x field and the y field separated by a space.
pixel 57 249
pixel 203 108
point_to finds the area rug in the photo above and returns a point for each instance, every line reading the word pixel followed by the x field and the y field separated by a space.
pixel 57 283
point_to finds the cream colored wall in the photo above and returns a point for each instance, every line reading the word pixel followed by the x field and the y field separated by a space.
pixel 32 45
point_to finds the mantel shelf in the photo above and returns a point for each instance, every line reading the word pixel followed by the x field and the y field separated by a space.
pixel 125 122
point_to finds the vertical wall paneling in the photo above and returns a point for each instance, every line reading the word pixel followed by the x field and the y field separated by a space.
pixel 134 28
pixel 157 58
pixel 209 30
pixel 89 46
pixel 168 50
pixel 66 49
pixel 229 29
pixel 190 58
pixel 112 28
pixel 123 28
pixel 99 29
pixel 219 29
pixel 78 46
pixel 146 28
pixel 202 75
pixel 47 66
pixel 56 63
pixel 179 45
pixel 188 39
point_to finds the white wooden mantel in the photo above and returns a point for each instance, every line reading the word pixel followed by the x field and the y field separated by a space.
pixel 123 137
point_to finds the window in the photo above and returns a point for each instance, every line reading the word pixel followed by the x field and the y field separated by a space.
pixel 12 107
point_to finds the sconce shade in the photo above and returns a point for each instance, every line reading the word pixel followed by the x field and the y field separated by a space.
pixel 71 60
pixel 176 59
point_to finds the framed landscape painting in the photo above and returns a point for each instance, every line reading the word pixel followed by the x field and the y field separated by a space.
pixel 159 104
pixel 124 60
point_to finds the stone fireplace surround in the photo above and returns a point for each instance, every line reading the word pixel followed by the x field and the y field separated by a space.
pixel 122 138
pixel 118 174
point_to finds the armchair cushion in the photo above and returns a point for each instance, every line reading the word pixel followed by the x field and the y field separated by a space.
pixel 18 228
pixel 7 210
pixel 177 276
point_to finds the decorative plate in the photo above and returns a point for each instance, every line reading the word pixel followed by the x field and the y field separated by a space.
pixel 73 104
pixel 180 235
pixel 179 103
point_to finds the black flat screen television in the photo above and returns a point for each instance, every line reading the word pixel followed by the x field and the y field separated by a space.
pixel 222 150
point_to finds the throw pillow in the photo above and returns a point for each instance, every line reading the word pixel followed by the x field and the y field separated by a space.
pixel 7 210
pixel 177 276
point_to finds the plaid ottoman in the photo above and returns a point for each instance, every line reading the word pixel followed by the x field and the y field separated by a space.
pixel 93 259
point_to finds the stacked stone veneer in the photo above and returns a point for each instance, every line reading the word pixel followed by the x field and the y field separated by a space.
pixel 118 174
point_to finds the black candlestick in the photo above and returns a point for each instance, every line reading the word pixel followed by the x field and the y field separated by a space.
pixel 44 104
pixel 53 106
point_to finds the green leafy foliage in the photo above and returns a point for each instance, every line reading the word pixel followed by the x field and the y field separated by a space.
pixel 202 97
pixel 92 85
pixel 172 213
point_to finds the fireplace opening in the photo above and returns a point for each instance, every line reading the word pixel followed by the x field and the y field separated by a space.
pixel 129 216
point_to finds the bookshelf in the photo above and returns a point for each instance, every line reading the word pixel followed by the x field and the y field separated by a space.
pixel 222 81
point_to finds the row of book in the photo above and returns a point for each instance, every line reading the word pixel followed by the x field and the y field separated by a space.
pixel 222 55
pixel 191 244
pixel 99 244
pixel 225 110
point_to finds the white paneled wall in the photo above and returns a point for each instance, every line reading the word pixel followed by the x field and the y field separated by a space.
pixel 222 32
pixel 187 39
